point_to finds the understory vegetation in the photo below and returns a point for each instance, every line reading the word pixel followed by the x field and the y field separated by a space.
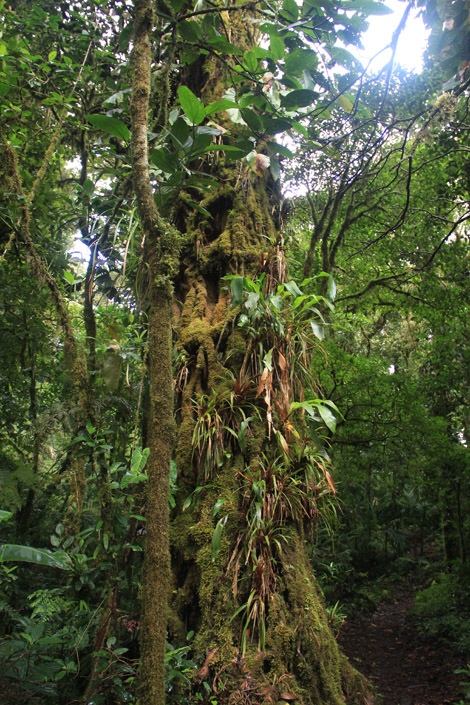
pixel 234 346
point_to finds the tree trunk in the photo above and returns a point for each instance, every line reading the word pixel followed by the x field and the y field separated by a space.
pixel 242 576
pixel 244 582
pixel 159 254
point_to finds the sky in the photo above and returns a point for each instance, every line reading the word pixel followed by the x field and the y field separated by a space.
pixel 412 40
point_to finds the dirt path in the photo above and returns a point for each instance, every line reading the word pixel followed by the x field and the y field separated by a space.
pixel 404 668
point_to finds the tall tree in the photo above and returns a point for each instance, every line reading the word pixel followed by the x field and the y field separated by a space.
pixel 205 265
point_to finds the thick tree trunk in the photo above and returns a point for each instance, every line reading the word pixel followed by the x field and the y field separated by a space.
pixel 261 627
pixel 243 580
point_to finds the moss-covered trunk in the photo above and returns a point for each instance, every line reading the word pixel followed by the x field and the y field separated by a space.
pixel 159 252
pixel 242 577
pixel 244 581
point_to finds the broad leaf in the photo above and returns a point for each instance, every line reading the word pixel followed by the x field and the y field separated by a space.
pixel 345 103
pixel 276 45
pixel 192 106
pixel 298 99
pixel 252 120
pixel 164 160
pixel 39 556
pixel 327 416
pixel 113 126
pixel 236 289
pixel 220 105
pixel 299 60
pixel 369 7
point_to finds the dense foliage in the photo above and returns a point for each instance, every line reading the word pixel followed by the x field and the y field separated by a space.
pixel 260 388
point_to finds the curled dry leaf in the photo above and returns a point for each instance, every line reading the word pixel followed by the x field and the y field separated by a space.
pixel 329 479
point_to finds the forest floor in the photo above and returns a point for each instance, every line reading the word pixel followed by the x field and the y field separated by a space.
pixel 404 667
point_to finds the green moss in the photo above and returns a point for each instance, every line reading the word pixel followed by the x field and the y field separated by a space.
pixel 196 333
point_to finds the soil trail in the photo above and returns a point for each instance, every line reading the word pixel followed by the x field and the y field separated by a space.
pixel 405 668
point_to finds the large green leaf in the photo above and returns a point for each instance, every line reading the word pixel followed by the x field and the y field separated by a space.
pixel 111 125
pixel 39 556
pixel 327 417
pixel 276 45
pixel 164 160
pixel 220 105
pixel 192 106
pixel 236 289
pixel 298 99
pixel 252 120
pixel 276 126
pixel 299 60
pixel 190 30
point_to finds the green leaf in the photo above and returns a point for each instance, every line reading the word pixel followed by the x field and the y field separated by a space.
pixel 4 515
pixel 187 502
pixel 180 133
pixel 291 9
pixel 318 330
pixel 275 168
pixel 139 459
pixel 331 288
pixel 190 30
pixel 113 126
pixel 345 103
pixel 242 433
pixel 268 360
pixel 51 56
pixel 232 151
pixel 252 120
pixel 298 99
pixel 69 277
pixel 276 44
pixel 164 160
pixel 219 106
pixel 250 61
pixel 217 536
pixel 88 187
pixel 236 288
pixel 300 59
pixel 220 502
pixel 274 126
pixel 327 416
pixel 125 37
pixel 301 129
pixel 345 58
pixel 192 106
pixel 280 149
pixel 369 7
pixel 38 556
pixel 222 44
pixel 177 4
pixel 292 288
